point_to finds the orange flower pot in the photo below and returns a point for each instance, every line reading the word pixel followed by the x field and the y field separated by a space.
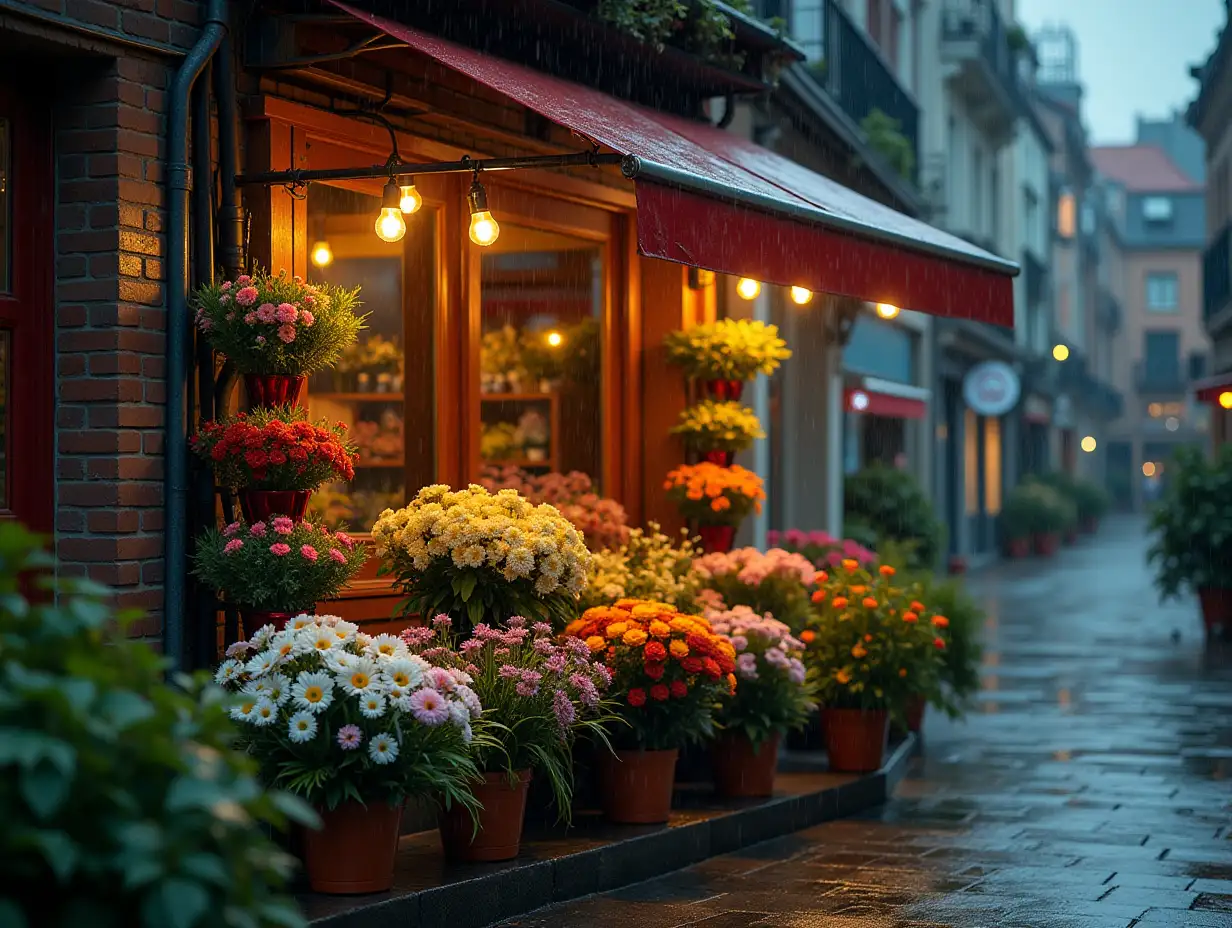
pixel 354 851
pixel 253 619
pixel 855 739
pixel 500 821
pixel 742 771
pixel 636 786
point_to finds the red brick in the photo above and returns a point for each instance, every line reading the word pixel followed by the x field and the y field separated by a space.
pixel 124 468
pixel 94 12
pixel 104 364
pixel 130 265
pixel 89 495
pixel 146 25
pixel 109 548
pixel 115 314
pixel 152 520
pixel 124 573
pixel 153 367
pixel 130 215
pixel 152 572
pixel 100 441
pixel 70 520
pixel 153 222
pixel 140 494
pixel 86 140
pixel 136 191
pixel 156 392
pixel 91 241
pixel 87 290
pixel 70 417
pixel 70 316
pixel 68 266
pixel 71 365
pixel 90 191
pixel 140 244
pixel 138 291
pixel 104 264
pixel 121 520
pixel 104 216
pixel 126 416
pixel 70 469
pixel 153 269
pixel 96 389
pixel 70 217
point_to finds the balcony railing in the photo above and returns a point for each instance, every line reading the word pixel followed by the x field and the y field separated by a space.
pixel 978 23
pixel 854 75
pixel 1169 380
pixel 1217 274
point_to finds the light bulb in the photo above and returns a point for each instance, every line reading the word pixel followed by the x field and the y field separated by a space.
pixel 1088 444
pixel 748 288
pixel 887 310
pixel 1225 399
pixel 801 295
pixel 1148 469
pixel 322 254
pixel 1060 352
pixel 390 226
pixel 484 229
pixel 555 339
pixel 411 199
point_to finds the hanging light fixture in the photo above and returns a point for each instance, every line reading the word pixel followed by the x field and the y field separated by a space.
pixel 748 288
pixel 321 254
pixel 484 229
pixel 887 310
pixel 801 295
pixel 411 199
pixel 390 226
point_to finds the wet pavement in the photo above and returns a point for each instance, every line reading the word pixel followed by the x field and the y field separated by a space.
pixel 1089 788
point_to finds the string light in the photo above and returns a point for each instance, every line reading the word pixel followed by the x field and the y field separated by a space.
pixel 1060 352
pixel 887 310
pixel 322 255
pixel 390 226
pixel 801 295
pixel 411 199
pixel 1225 399
pixel 748 288
pixel 1088 444
pixel 555 339
pixel 484 229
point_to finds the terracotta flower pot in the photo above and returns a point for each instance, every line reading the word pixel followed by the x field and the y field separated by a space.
pixel 254 619
pixel 1216 603
pixel 915 713
pixel 740 770
pixel 724 389
pixel 855 739
pixel 636 786
pixel 261 505
pixel 354 850
pixel 717 538
pixel 1046 544
pixel 957 565
pixel 1089 526
pixel 500 821
pixel 1017 548
pixel 266 390
pixel 721 458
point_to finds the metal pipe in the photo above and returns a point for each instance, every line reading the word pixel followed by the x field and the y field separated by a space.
pixel 179 185
pixel 465 166
pixel 231 214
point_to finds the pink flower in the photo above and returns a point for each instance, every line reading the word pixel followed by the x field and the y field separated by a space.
pixel 297 279
pixel 287 333
pixel 442 621
pixel 243 280
pixel 232 546
pixel 266 312
pixel 438 678
pixel 306 318
pixel 337 555
pixel 286 313
pixel 226 285
pixel 429 707
pixel 225 299
pixel 310 299
pixel 257 529
pixel 246 296
pixel 279 549
pixel 308 551
pixel 345 540
pixel 260 339
pixel 230 317
pixel 206 324
pixel 349 737
pixel 250 318
pixel 562 708
pixel 283 525
pixel 231 529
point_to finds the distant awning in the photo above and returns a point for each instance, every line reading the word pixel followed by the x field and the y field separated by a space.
pixel 711 199
pixel 1213 390
pixel 872 396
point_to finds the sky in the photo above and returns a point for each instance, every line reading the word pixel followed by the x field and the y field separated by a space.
pixel 1133 55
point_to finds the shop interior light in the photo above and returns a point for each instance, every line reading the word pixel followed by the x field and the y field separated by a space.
pixel 859 401
pixel 411 199
pixel 322 255
pixel 390 226
pixel 484 229
pixel 1060 352
pixel 555 339
pixel 801 295
pixel 1148 469
pixel 748 288
pixel 1225 399
pixel 887 310
pixel 1172 423
pixel 1088 444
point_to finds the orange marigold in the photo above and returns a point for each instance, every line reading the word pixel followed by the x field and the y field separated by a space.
pixel 910 617
pixel 679 650
pixel 660 629
pixel 917 606
pixel 886 570
pixel 819 596
pixel 839 602
pixel 850 564
pixel 941 621
pixel 869 603
pixel 808 636
pixel 596 643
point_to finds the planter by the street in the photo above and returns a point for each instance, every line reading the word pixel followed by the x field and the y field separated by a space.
pixel 499 833
pixel 266 391
pixel 1046 544
pixel 915 713
pixel 717 538
pixel 741 769
pixel 264 505
pixel 1216 606
pixel 856 739
pixel 723 390
pixel 1018 548
pixel 636 786
pixel 354 850
pixel 721 458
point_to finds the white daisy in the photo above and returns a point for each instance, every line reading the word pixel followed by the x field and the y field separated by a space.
pixel 372 706
pixel 328 621
pixel 458 713
pixel 276 687
pixel 287 644
pixel 345 631
pixel 388 645
pixel 359 678
pixel 302 727
pixel 261 664
pixel 264 713
pixel 363 640
pixel 313 691
pixel 318 639
pixel 242 711
pixel 383 749
pixel 403 672
pixel 262 636
pixel 301 621
pixel 228 671
pixel 340 661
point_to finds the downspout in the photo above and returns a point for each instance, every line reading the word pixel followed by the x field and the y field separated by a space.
pixel 179 186
pixel 231 215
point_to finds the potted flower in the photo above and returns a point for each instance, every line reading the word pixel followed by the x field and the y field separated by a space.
pixel 669 672
pixel 277 569
pixel 537 695
pixel 602 521
pixel 354 725
pixel 873 655
pixel 649 565
pixel 718 429
pixel 277 329
pixel 717 498
pixel 1055 516
pixel 482 555
pixel 1191 527
pixel 772 697
pixel 1019 520
pixel 274 458
pixel 726 353
pixel 778 582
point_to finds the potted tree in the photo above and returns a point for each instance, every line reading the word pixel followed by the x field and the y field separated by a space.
pixel 1055 515
pixel 889 505
pixel 1192 534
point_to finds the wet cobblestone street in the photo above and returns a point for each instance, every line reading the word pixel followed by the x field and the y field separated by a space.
pixel 1089 788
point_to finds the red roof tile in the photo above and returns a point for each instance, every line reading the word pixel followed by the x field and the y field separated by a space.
pixel 1142 168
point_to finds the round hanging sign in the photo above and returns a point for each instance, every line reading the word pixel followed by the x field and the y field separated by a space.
pixel 991 388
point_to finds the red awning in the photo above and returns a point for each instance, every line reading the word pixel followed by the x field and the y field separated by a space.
pixel 1212 389
pixel 712 199
pixel 872 403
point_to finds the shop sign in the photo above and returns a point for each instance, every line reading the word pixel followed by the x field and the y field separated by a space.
pixel 991 388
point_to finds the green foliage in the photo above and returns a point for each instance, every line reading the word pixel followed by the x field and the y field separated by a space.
pixel 885 135
pixel 1034 508
pixel 888 505
pixel 649 21
pixel 124 805
pixel 1090 500
pixel 1016 38
pixel 1192 524
pixel 700 27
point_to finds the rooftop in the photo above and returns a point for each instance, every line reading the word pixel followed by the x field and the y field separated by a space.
pixel 1142 169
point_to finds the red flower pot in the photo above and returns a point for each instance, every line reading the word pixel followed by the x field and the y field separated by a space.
pixel 724 389
pixel 1089 526
pixel 1018 547
pixel 261 505
pixel 1047 544
pixel 636 786
pixel 354 850
pixel 855 739
pixel 742 771
pixel 266 390
pixel 721 458
pixel 253 619
pixel 500 821
pixel 915 713
pixel 717 538
pixel 957 565
pixel 1216 603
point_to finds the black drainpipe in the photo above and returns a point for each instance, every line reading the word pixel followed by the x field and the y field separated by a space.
pixel 179 186
pixel 231 214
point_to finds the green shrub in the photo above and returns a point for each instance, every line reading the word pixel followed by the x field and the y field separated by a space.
pixel 1034 508
pixel 1192 524
pixel 1090 500
pixel 888 504
pixel 123 804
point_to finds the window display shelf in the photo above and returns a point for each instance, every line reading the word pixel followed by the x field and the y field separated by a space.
pixel 377 462
pixel 357 397
pixel 523 463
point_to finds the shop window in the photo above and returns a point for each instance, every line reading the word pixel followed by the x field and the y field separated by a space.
pixel 5 209
pixel 971 461
pixel 541 363
pixel 1066 215
pixel 383 387
pixel 1161 291
pixel 992 466
pixel 881 349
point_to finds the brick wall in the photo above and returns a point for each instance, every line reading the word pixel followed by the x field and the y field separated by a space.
pixel 109 117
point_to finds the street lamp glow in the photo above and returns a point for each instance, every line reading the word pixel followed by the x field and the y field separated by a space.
pixel 1148 469
pixel 748 288
pixel 801 295
pixel 1088 444
pixel 1060 352
pixel 887 310
pixel 1225 399
pixel 859 401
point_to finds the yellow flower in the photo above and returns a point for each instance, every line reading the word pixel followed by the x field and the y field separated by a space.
pixel 634 637
pixel 679 650
pixel 842 676
pixel 596 643
pixel 616 629
pixel 660 629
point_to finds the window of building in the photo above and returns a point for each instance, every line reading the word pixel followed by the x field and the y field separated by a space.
pixel 971 462
pixel 808 27
pixel 1162 356
pixel 1161 291
pixel 992 466
pixel 1157 209
pixel 1066 215
pixel 977 189
pixel 881 349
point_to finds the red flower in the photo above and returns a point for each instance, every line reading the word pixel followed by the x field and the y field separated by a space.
pixel 679 689
pixel 654 651
pixel 692 664
pixel 713 671
pixel 939 644
pixel 654 671
pixel 659 692
pixel 637 698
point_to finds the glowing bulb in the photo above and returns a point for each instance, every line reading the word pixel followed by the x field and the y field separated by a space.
pixel 1225 399
pixel 859 401
pixel 555 339
pixel 1088 444
pixel 1172 423
pixel 748 288
pixel 322 254
pixel 1060 352
pixel 484 229
pixel 887 310
pixel 1148 469
pixel 801 295
pixel 411 199
pixel 390 226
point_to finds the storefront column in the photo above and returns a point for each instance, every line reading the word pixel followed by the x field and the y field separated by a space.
pixel 760 401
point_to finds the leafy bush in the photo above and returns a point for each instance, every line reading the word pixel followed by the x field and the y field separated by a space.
pixel 123 802
pixel 1090 500
pixel 890 505
pixel 1033 508
pixel 1192 524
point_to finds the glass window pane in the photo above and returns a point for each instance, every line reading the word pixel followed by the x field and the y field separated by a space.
pixel 5 208
pixel 541 365
pixel 5 365
pixel 383 386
